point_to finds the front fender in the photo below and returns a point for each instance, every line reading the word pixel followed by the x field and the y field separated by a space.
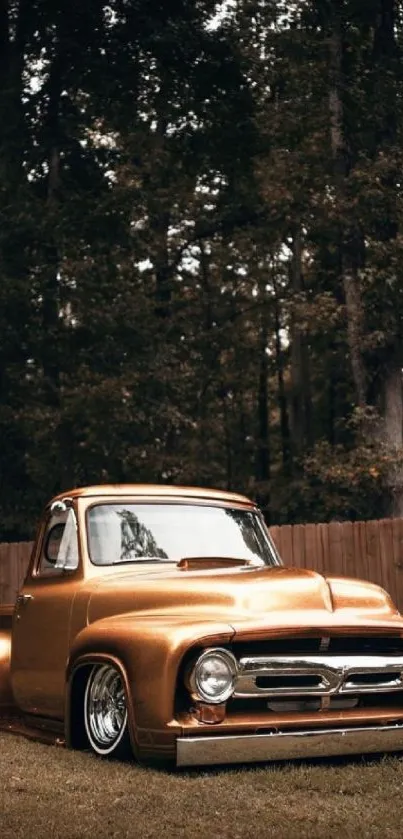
pixel 149 650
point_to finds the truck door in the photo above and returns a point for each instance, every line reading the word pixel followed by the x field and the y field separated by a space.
pixel 41 622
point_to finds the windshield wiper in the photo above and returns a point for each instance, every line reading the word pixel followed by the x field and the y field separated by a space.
pixel 144 559
pixel 216 558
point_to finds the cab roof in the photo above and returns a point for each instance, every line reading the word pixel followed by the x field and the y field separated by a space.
pixel 154 491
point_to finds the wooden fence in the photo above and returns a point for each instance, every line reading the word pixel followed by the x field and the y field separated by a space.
pixel 371 550
pixel 14 559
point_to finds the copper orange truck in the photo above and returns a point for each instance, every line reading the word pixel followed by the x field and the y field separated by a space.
pixel 160 622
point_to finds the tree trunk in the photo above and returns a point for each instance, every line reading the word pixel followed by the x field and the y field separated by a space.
pixel 384 138
pixel 228 444
pixel 393 431
pixel 163 292
pixel 50 288
pixel 282 398
pixel 300 378
pixel 14 269
pixel 12 63
pixel 349 238
pixel 262 467
pixel 386 66
pixel 159 213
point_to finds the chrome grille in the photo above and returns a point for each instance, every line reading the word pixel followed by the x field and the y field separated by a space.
pixel 317 675
pixel 336 645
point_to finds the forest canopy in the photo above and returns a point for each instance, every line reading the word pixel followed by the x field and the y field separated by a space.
pixel 201 252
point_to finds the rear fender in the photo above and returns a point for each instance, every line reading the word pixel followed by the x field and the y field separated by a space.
pixel 7 702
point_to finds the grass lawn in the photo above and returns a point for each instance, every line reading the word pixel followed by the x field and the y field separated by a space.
pixel 47 791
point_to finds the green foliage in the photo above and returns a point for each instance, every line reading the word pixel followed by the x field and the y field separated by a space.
pixel 173 240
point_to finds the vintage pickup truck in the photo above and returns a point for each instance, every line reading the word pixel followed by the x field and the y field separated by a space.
pixel 160 622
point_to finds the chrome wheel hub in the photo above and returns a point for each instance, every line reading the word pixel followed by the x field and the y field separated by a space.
pixel 106 705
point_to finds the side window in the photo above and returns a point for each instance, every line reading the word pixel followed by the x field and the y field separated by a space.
pixel 60 545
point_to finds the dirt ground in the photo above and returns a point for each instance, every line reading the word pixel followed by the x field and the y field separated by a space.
pixel 47 791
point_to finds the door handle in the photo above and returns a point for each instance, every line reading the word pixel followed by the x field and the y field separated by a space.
pixel 24 598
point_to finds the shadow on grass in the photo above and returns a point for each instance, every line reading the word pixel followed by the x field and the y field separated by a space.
pixel 220 770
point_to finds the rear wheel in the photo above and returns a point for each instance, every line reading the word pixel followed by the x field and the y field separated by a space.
pixel 105 712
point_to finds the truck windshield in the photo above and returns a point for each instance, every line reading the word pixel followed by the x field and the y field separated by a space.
pixel 120 533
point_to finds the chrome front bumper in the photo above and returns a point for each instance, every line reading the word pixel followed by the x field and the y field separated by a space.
pixel 288 745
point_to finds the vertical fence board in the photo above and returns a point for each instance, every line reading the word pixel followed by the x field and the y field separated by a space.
pixel 15 564
pixel 23 562
pixel 373 552
pixel 362 525
pixel 348 549
pixel 310 545
pixel 286 544
pixel 335 562
pixel 4 570
pixel 298 546
pixel 386 557
pixel 319 552
pixel 275 535
pixel 324 538
pixel 397 561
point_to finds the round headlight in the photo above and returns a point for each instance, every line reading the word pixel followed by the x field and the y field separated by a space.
pixel 212 677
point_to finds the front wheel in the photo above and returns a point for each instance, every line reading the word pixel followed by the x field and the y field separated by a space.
pixel 105 712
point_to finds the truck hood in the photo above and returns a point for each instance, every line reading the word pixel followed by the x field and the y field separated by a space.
pixel 250 600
